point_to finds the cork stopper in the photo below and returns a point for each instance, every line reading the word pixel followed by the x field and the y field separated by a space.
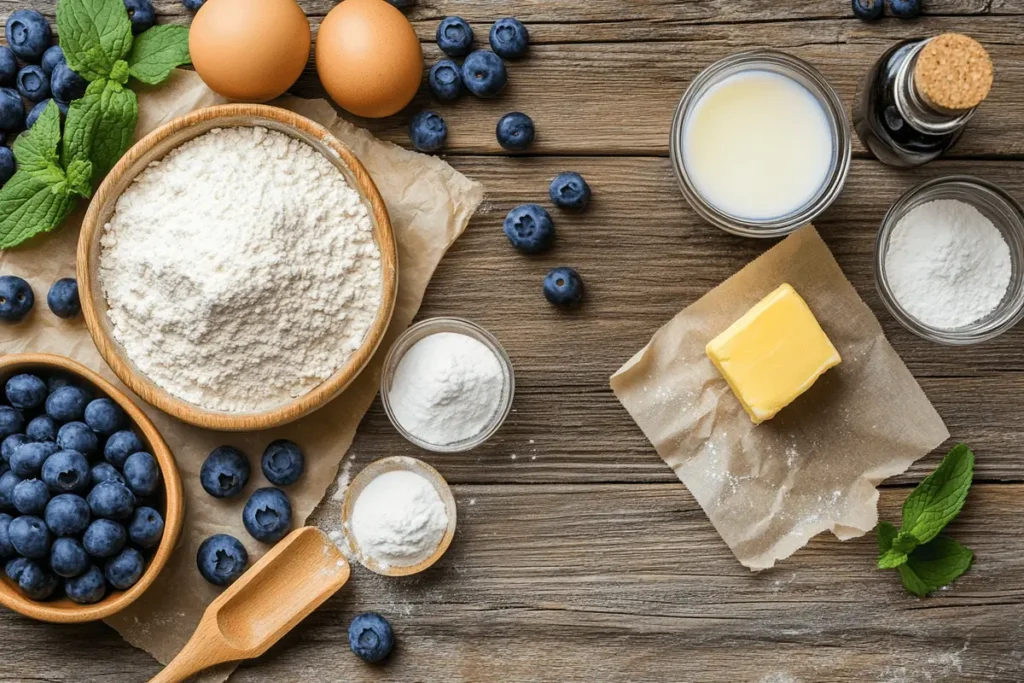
pixel 953 72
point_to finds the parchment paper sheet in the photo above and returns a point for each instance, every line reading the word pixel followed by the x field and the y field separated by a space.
pixel 770 488
pixel 429 203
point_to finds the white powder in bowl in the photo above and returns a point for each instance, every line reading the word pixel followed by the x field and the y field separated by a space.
pixel 240 270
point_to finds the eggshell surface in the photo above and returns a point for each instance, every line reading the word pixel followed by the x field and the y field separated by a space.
pixel 249 50
pixel 368 57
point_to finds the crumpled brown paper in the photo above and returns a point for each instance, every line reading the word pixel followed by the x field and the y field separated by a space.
pixel 430 205
pixel 770 488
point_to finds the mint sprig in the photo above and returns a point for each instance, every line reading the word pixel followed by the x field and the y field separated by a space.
pixel 925 560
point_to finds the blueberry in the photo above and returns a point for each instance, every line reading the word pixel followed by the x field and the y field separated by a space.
pixel 28 34
pixel 570 191
pixel 370 637
pixel 42 428
pixel 37 583
pixel 428 131
pixel 146 527
pixel 63 296
pixel 225 472
pixel 30 497
pixel 445 79
pixel 35 112
pixel 67 404
pixel 28 460
pixel 26 392
pixel 8 480
pixel 267 515
pixel 87 588
pixel 8 66
pixel 76 436
pixel 282 462
pixel 124 571
pixel 142 474
pixel 68 558
pixel 67 514
pixel 6 549
pixel 454 36
pixel 402 4
pixel 509 38
pixel 33 83
pixel 120 446
pixel 53 56
pixel 563 287
pixel 104 538
pixel 142 14
pixel 868 10
pixel 66 472
pixel 29 536
pixel 484 74
pixel 193 5
pixel 904 9
pixel 222 559
pixel 12 110
pixel 111 500
pixel 65 84
pixel 16 297
pixel 15 567
pixel 104 471
pixel 104 416
pixel 515 131
pixel 11 421
pixel 530 228
pixel 7 164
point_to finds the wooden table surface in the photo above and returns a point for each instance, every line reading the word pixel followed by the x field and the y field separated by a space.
pixel 579 556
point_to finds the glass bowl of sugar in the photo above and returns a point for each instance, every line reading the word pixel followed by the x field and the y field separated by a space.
pixel 447 385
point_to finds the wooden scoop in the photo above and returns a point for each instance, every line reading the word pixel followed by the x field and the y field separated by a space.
pixel 267 601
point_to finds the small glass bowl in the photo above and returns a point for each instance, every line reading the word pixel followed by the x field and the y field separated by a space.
pixel 459 326
pixel 1004 212
pixel 804 74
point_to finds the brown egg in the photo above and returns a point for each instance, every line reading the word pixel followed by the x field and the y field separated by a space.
pixel 249 50
pixel 368 57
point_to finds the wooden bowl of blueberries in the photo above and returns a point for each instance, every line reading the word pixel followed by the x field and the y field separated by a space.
pixel 90 498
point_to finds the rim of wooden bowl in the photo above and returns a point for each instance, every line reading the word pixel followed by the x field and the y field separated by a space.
pixel 64 611
pixel 155 146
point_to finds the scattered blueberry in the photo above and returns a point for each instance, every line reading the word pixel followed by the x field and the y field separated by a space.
pixel 30 497
pixel 282 462
pixel 904 9
pixel 67 404
pixel 76 436
pixel 8 480
pixel 6 549
pixel 146 527
pixel 267 515
pixel 42 428
pixel 120 446
pixel 563 287
pixel 104 416
pixel 15 567
pixel 225 472
pixel 193 5
pixel 11 421
pixel 53 56
pixel 530 228
pixel 12 110
pixel 29 536
pixel 141 13
pixel 37 583
pixel 86 588
pixel 63 296
pixel 111 500
pixel 26 392
pixel 509 38
pixel 370 637
pixel 8 66
pixel 570 191
pixel 222 559
pixel 515 131
pixel 141 474
pixel 33 83
pixel 104 538
pixel 868 10
pixel 454 36
pixel 12 442
pixel 28 460
pixel 445 80
pixel 67 514
pixel 483 73
pixel 124 571
pixel 104 471
pixel 66 472
pixel 68 558
pixel 7 167
pixel 28 34
pixel 16 298
pixel 428 131
pixel 65 84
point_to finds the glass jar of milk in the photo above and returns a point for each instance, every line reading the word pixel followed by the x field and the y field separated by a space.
pixel 760 144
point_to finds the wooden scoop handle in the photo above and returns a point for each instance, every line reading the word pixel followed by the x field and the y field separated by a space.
pixel 206 648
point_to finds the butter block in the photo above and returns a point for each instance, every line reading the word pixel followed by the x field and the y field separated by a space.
pixel 774 353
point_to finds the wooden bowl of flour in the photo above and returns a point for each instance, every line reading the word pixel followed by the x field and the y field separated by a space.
pixel 154 147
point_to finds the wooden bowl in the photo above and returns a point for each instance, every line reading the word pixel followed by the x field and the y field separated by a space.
pixel 65 611
pixel 154 147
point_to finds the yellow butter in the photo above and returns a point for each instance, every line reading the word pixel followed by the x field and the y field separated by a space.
pixel 774 353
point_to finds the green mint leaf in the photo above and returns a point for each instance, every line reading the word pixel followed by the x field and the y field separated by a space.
pixel 36 148
pixel 938 499
pixel 119 72
pixel 891 559
pixel 30 205
pixel 886 535
pixel 934 565
pixel 79 177
pixel 94 35
pixel 157 51
pixel 100 126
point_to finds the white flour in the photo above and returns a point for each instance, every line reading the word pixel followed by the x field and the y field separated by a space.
pixel 947 264
pixel 240 271
pixel 398 519
pixel 446 388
